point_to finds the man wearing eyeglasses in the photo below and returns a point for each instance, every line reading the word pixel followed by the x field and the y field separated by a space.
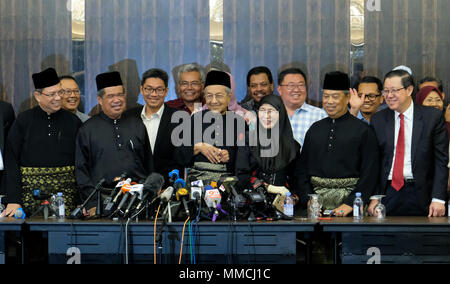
pixel 293 89
pixel 366 101
pixel 189 87
pixel 414 146
pixel 40 149
pixel 156 117
pixel 71 98
pixel 111 142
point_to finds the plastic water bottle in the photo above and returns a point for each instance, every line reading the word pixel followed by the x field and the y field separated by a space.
pixel 61 207
pixel 358 206
pixel 289 205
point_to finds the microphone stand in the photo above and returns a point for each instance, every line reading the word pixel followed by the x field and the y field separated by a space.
pixel 78 212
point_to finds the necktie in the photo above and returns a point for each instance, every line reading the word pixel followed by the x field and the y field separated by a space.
pixel 397 176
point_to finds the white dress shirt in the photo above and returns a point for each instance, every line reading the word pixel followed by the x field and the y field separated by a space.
pixel 407 167
pixel 2 167
pixel 152 124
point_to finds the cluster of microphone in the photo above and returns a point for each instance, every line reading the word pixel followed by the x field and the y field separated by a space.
pixel 198 200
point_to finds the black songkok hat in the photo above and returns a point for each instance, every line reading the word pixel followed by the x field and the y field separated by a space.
pixel 218 78
pixel 46 78
pixel 109 79
pixel 337 81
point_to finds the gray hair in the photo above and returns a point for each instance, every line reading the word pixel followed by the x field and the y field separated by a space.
pixel 192 67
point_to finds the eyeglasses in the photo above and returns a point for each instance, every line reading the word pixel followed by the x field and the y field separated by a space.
pixel 193 84
pixel 69 92
pixel 150 90
pixel 393 91
pixel 219 97
pixel 112 96
pixel 60 93
pixel 291 87
pixel 370 97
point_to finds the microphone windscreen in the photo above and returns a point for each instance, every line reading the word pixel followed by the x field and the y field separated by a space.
pixel 154 182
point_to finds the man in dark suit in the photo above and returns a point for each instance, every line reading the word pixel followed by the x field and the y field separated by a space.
pixel 7 118
pixel 414 151
pixel 156 117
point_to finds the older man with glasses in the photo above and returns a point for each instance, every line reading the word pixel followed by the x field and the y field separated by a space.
pixel 40 149
pixel 71 98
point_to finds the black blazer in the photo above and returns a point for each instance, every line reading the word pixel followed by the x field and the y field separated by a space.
pixel 429 151
pixel 163 154
pixel 7 118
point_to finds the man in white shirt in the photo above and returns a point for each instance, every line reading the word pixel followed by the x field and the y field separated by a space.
pixel 156 116
pixel 414 146
pixel 293 89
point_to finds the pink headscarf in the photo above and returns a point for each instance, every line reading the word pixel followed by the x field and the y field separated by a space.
pixel 425 91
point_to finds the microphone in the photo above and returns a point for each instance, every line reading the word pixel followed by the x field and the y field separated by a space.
pixel 196 190
pixel 212 198
pixel 150 188
pixel 166 195
pixel 20 214
pixel 137 192
pixel 229 183
pixel 174 175
pixel 126 188
pixel 78 212
pixel 182 194
pixel 109 207
pixel 179 183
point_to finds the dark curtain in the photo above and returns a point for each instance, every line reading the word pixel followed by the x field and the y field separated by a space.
pixel 132 36
pixel 311 34
pixel 415 33
pixel 34 35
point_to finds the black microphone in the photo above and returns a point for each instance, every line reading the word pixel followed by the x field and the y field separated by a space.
pixel 78 212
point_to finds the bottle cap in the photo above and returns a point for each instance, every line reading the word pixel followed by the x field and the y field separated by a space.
pixel 60 194
pixel 358 194
pixel 288 194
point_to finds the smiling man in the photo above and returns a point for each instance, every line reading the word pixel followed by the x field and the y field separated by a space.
pixel 71 98
pixel 293 90
pixel 111 143
pixel 366 100
pixel 414 146
pixel 40 149
pixel 340 155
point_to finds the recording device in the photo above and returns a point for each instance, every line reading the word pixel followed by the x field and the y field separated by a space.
pixel 212 199
pixel 229 183
pixel 148 189
pixel 182 194
pixel 121 181
pixel 78 212
pixel 110 204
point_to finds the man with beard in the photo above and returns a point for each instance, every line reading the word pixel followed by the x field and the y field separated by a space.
pixel 111 143
pixel 259 85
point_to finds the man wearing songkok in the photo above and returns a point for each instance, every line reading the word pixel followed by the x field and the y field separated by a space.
pixel 40 150
pixel 111 143
pixel 340 154
pixel 216 134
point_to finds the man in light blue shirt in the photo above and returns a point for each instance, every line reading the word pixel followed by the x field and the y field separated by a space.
pixel 293 89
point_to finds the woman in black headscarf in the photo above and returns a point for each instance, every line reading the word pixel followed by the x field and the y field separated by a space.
pixel 273 149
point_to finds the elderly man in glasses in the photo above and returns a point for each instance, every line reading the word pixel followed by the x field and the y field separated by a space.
pixel 40 149
pixel 367 99
pixel 71 98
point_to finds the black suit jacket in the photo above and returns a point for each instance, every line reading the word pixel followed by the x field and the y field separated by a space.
pixel 429 151
pixel 7 118
pixel 164 152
